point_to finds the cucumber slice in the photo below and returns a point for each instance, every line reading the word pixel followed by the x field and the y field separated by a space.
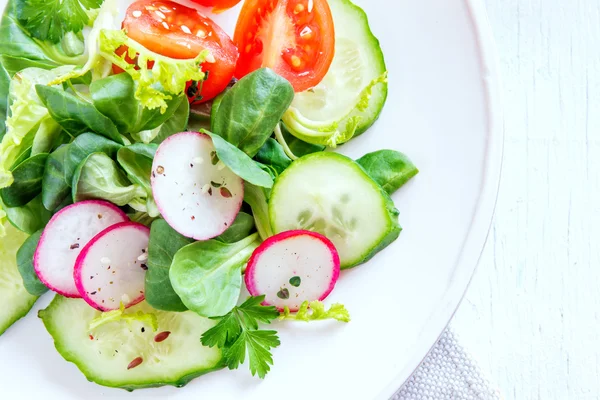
pixel 331 194
pixel 105 353
pixel 16 301
pixel 351 96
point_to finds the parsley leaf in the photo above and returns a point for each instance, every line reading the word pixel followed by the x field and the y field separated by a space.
pixel 253 312
pixel 224 333
pixel 238 335
pixel 52 19
pixel 259 345
pixel 317 312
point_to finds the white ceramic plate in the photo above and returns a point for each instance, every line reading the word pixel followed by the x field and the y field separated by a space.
pixel 443 112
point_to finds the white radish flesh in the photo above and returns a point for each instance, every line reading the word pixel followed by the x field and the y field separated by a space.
pixel 293 267
pixel 65 236
pixel 111 269
pixel 195 193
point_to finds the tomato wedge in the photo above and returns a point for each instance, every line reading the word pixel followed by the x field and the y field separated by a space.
pixel 218 5
pixel 177 31
pixel 295 38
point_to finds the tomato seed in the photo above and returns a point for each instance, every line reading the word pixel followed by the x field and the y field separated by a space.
pixel 296 61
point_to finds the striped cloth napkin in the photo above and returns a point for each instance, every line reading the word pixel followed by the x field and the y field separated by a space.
pixel 448 373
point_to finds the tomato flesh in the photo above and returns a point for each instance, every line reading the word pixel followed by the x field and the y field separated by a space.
pixel 218 5
pixel 295 38
pixel 173 30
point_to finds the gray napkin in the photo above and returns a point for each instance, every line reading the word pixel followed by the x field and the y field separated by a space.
pixel 448 373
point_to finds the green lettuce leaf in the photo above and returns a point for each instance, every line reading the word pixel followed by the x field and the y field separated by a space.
pixel 159 78
pixel 107 18
pixel 27 116
pixel 119 315
pixel 315 311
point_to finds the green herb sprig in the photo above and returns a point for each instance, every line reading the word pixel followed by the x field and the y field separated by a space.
pixel 52 19
pixel 237 334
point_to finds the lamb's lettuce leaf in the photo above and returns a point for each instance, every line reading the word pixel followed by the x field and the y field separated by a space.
pixel 257 199
pixel 99 177
pixel 239 162
pixel 114 97
pixel 136 160
pixel 389 168
pixel 207 276
pixel 76 115
pixel 25 256
pixel 247 114
pixel 29 218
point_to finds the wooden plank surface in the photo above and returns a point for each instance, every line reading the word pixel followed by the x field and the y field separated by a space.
pixel 532 314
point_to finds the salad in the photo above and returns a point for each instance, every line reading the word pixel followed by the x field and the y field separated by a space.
pixel 155 169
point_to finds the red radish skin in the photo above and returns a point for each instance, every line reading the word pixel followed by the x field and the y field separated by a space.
pixel 57 275
pixel 306 255
pixel 188 186
pixel 121 275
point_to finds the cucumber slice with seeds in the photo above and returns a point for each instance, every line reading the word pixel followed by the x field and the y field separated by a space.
pixel 130 355
pixel 351 96
pixel 331 194
pixel 16 301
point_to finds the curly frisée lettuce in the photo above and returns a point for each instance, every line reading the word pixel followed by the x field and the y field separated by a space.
pixel 120 315
pixel 158 78
pixel 351 96
pixel 315 311
pixel 27 117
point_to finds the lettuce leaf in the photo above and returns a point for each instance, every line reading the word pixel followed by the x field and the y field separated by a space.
pixel 315 311
pixel 27 116
pixel 159 78
pixel 106 19
pixel 3 220
pixel 119 315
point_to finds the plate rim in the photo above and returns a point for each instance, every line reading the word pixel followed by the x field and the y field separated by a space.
pixel 483 216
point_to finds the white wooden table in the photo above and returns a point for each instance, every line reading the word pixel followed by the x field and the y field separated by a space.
pixel 532 314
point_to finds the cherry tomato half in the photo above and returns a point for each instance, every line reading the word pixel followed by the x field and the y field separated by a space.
pixel 180 32
pixel 218 5
pixel 295 38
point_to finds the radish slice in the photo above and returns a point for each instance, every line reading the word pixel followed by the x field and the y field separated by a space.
pixel 293 267
pixel 195 192
pixel 111 268
pixel 65 236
